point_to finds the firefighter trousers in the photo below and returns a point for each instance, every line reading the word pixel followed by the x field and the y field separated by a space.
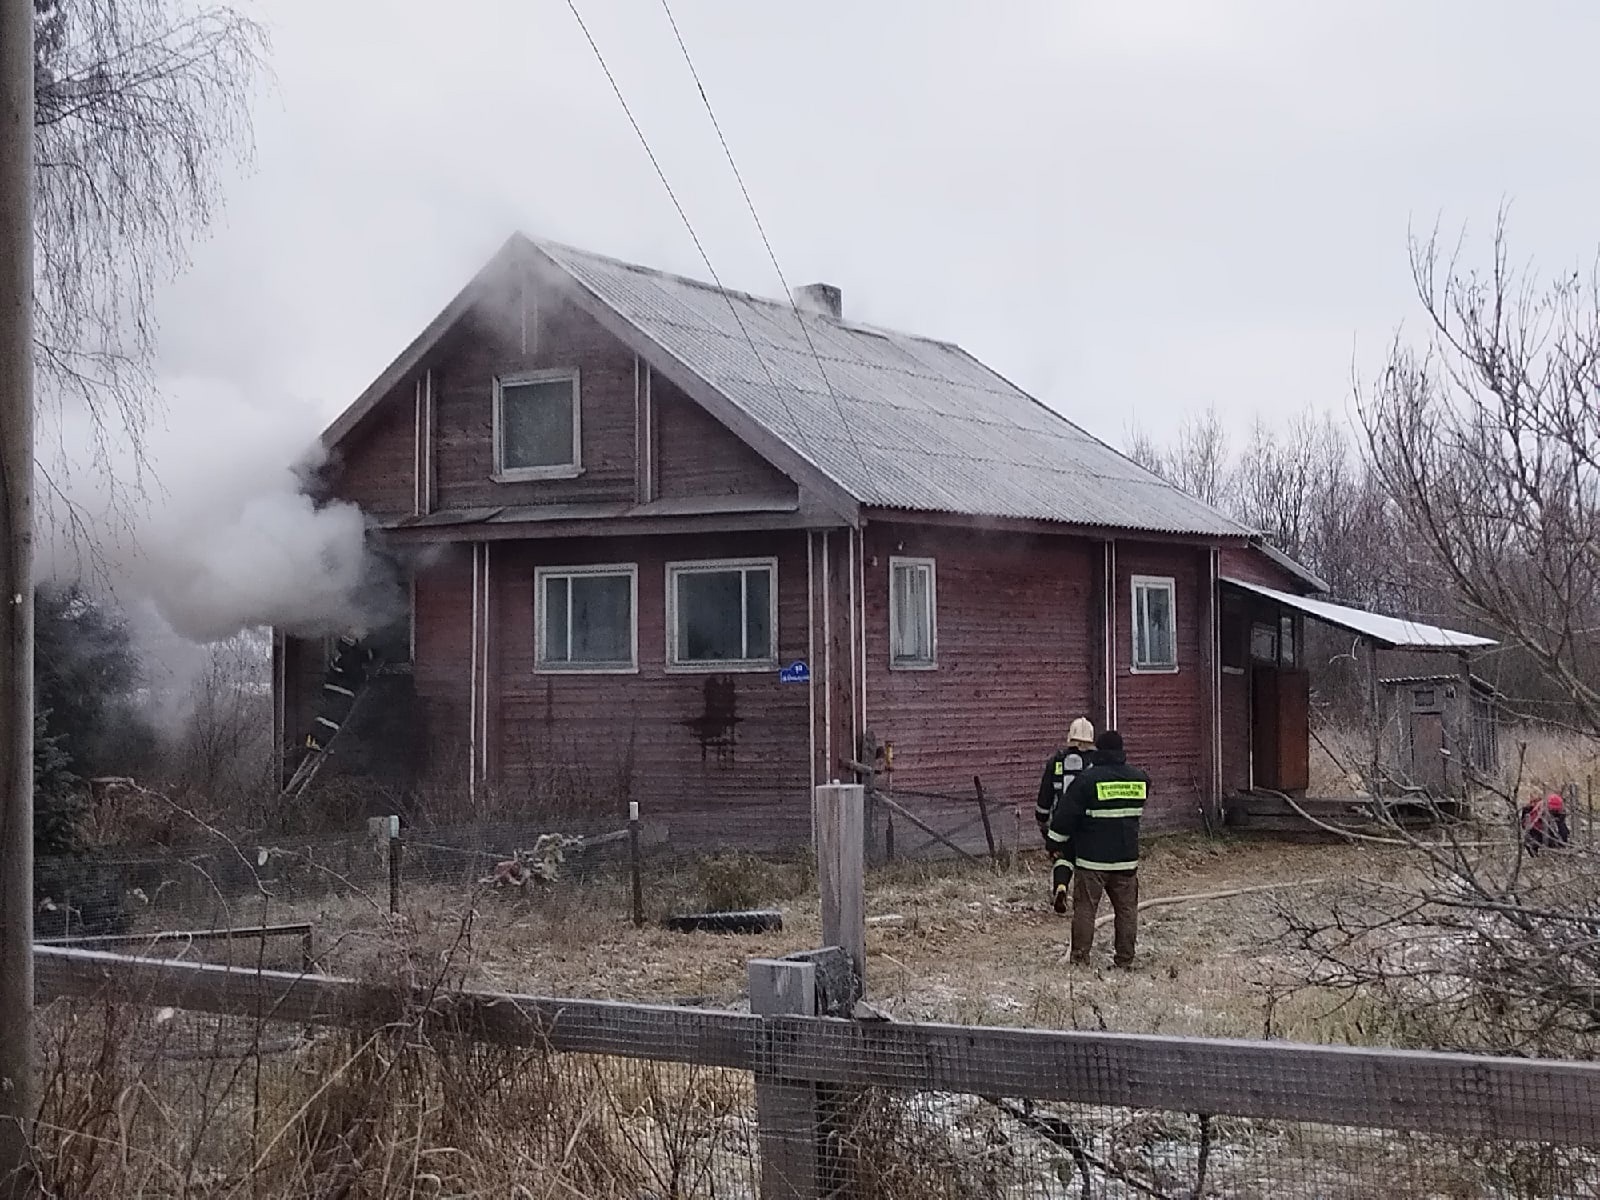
pixel 1122 889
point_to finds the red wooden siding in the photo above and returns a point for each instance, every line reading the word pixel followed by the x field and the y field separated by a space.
pixel 1017 638
pixel 694 454
pixel 699 456
pixel 559 336
pixel 1164 718
pixel 715 757
pixel 377 469
pixel 1250 565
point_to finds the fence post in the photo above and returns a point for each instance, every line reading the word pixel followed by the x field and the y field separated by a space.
pixel 841 871
pixel 633 863
pixel 788 1121
pixel 396 852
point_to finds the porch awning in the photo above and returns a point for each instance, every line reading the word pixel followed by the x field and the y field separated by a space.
pixel 1392 633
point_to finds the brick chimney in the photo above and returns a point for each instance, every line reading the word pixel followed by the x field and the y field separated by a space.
pixel 821 298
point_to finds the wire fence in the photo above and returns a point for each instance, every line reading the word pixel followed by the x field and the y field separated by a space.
pixel 295 1085
pixel 648 869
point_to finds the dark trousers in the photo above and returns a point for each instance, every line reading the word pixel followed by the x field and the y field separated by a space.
pixel 1123 889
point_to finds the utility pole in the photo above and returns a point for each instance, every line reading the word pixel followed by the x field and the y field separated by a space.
pixel 17 1080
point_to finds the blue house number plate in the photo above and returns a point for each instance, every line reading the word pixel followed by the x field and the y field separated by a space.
pixel 795 672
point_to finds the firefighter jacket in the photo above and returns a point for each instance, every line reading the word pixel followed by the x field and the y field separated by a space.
pixel 1099 814
pixel 1059 772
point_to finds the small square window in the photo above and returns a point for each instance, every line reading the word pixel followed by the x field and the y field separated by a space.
pixel 1154 624
pixel 585 618
pixel 1263 643
pixel 536 426
pixel 912 628
pixel 722 615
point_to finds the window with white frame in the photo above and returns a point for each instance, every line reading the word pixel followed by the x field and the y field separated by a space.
pixel 912 631
pixel 536 426
pixel 586 618
pixel 1155 642
pixel 722 615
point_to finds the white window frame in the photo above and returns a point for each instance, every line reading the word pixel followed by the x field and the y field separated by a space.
pixel 541 665
pixel 706 566
pixel 505 474
pixel 914 664
pixel 1151 582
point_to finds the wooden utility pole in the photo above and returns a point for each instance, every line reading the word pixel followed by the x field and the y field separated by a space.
pixel 16 597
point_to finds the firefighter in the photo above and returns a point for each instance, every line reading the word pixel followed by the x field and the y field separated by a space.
pixel 1099 814
pixel 352 660
pixel 1059 773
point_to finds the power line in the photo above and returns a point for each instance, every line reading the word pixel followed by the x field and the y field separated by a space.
pixel 687 224
pixel 762 230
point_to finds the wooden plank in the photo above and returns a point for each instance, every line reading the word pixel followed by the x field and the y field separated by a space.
pixel 242 933
pixel 657 1032
pixel 1451 1095
pixel 841 870
pixel 787 1120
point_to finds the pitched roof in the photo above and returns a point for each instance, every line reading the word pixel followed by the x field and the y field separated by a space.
pixel 892 420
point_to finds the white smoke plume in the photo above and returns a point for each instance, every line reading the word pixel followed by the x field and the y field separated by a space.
pixel 226 537
pixel 255 549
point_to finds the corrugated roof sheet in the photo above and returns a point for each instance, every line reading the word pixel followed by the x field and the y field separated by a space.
pixel 897 421
pixel 1396 633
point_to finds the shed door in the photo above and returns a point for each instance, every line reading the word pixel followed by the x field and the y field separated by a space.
pixel 1280 711
pixel 1427 751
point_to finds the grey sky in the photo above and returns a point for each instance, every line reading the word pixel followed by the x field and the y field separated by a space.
pixel 1129 208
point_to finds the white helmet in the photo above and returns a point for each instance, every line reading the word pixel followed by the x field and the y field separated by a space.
pixel 1081 731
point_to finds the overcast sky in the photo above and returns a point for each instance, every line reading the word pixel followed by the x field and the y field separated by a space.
pixel 1128 208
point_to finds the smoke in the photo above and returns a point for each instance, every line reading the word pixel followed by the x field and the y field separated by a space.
pixel 256 549
pixel 225 536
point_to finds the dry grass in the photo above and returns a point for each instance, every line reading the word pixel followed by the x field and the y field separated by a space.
pixel 947 941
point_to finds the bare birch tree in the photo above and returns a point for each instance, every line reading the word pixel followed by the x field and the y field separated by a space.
pixel 140 104
pixel 1485 438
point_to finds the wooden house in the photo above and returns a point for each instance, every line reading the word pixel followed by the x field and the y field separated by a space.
pixel 687 546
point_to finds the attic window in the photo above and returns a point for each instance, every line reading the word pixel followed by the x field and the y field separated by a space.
pixel 537 426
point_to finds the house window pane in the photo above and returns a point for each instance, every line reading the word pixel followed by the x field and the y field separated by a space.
pixel 1154 639
pixel 586 619
pixel 758 614
pixel 911 614
pixel 1286 647
pixel 555 619
pixel 723 615
pixel 711 616
pixel 536 424
pixel 602 619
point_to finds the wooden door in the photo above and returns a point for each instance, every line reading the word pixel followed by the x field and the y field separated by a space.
pixel 1427 751
pixel 1280 728
pixel 1294 731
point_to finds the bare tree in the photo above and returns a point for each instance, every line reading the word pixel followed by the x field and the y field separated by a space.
pixel 1486 441
pixel 139 105
pixel 1198 461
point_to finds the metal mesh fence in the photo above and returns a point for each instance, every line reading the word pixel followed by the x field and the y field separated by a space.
pixel 150 1101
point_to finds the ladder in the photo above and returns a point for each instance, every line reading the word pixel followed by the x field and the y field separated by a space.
pixel 349 681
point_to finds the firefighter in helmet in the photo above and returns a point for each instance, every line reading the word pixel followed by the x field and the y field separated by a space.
pixel 1059 773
